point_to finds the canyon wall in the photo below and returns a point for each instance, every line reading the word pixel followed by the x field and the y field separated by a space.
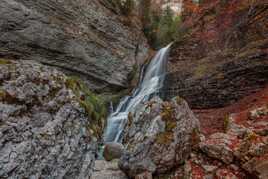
pixel 222 56
pixel 84 38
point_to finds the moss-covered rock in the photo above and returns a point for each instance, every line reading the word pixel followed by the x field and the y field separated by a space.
pixel 159 137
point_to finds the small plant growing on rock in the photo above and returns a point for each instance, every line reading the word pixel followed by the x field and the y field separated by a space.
pixel 167 115
pixel 226 123
pixel 164 138
pixel 252 136
pixel 167 111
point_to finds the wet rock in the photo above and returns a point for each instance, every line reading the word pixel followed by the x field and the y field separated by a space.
pixel 112 151
pixel 44 132
pixel 82 38
pixel 163 137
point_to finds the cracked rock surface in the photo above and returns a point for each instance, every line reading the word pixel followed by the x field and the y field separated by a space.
pixel 44 133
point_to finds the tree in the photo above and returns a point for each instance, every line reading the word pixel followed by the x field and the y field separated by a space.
pixel 160 26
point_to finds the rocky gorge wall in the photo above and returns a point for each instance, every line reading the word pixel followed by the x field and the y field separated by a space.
pixel 84 38
pixel 223 54
pixel 220 66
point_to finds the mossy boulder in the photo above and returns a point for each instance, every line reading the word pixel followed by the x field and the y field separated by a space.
pixel 159 137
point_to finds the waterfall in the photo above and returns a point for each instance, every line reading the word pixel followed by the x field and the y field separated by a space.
pixel 151 82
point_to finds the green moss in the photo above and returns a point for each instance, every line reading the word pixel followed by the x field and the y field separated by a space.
pixel 200 71
pixel 94 106
pixel 168 115
pixel 167 112
pixel 4 61
pixel 165 138
pixel 170 125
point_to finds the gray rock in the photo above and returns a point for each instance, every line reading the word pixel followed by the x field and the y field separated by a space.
pixel 162 138
pixel 84 38
pixel 43 130
pixel 113 150
pixel 218 146
pixel 107 170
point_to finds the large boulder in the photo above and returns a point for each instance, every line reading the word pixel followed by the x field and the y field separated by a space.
pixel 113 150
pixel 44 131
pixel 84 38
pixel 158 136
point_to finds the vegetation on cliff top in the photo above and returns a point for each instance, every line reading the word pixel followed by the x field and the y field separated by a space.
pixel 160 27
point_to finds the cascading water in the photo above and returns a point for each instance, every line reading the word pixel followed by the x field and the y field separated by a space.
pixel 150 83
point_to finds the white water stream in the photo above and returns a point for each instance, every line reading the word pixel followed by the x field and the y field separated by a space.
pixel 150 83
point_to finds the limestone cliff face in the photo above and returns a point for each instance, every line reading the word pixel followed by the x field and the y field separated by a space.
pixel 223 56
pixel 84 38
pixel 45 131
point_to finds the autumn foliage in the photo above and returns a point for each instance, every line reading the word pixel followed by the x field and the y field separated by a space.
pixel 220 23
